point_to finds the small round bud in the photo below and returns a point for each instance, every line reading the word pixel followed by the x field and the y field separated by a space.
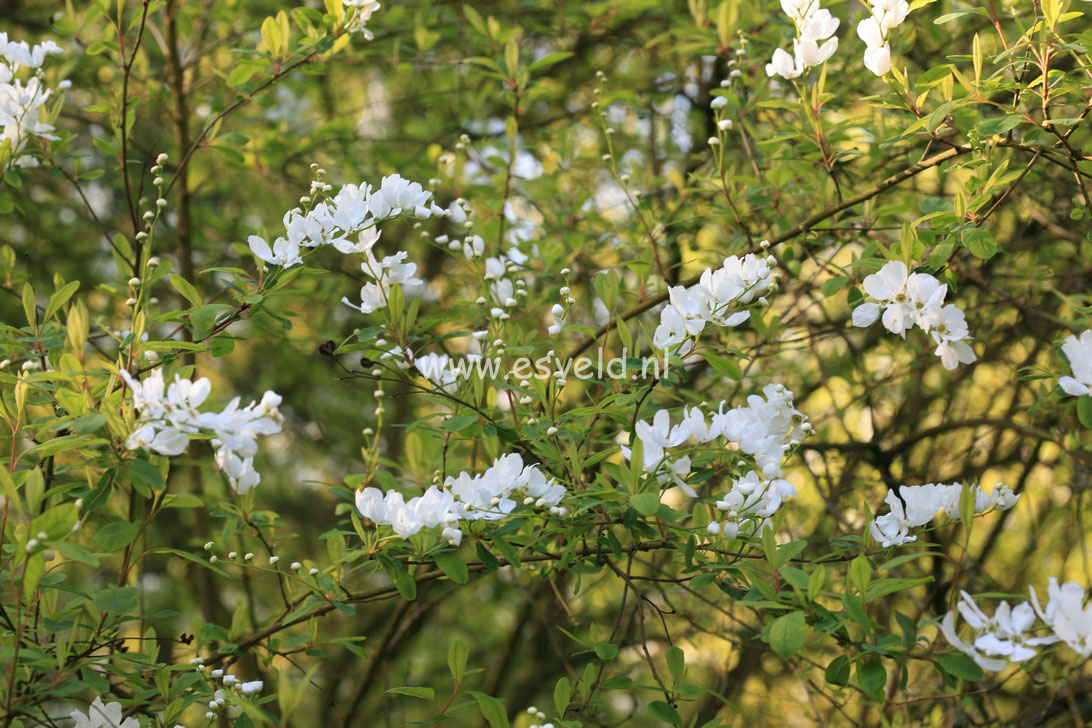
pixel 161 159
pixel 209 545
pixel 273 560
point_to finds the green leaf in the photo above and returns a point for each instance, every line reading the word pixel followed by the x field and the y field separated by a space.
pixel 837 672
pixel 115 536
pixel 647 504
pixel 871 676
pixel 187 290
pixel 998 125
pixel 676 663
pixel 453 567
pixel 787 634
pixel 722 365
pixel 860 573
pixel 60 298
pixel 73 552
pixel 459 422
pixel 117 600
pixel 30 307
pixel 403 581
pixel 508 551
pixel 423 693
pixel 549 60
pixel 492 709
pixel 606 651
pixel 1084 411
pixel 145 475
pixel 980 242
pixel 663 711
pixel 456 659
pixel 961 666
pixel 563 693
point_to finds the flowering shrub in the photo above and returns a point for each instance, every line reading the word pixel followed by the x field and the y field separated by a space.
pixel 572 419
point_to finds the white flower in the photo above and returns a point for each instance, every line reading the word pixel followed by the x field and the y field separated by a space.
pixel 784 65
pixel 997 640
pixel 916 299
pixel 249 688
pixel 489 496
pixel 1079 353
pixel 919 504
pixel 102 716
pixel 169 418
pixel 1067 615
pixel 809 53
pixel 878 59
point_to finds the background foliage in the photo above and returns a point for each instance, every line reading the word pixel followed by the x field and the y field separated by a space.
pixel 616 616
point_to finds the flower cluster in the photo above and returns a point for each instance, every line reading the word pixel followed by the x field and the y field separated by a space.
pixel 713 300
pixel 20 103
pixel 997 640
pixel 915 505
pixel 875 31
pixel 352 213
pixel 168 419
pixel 390 271
pixel 764 428
pixel 1067 615
pixel 489 496
pixel 102 716
pixel 1079 354
pixel 505 286
pixel 913 299
pixel 813 24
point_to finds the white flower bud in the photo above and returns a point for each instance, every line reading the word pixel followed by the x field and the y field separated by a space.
pixel 312 572
pixel 161 159
pixel 296 566
pixel 209 545
pixel 248 557
pixel 233 555
pixel 161 203
pixel 273 560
